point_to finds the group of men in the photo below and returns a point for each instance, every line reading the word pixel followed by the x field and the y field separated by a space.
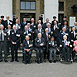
pixel 46 39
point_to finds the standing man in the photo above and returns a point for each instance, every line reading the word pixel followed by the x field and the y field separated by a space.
pixel 3 36
pixel 15 39
pixel 23 24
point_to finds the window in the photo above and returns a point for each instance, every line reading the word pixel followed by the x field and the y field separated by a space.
pixel 22 5
pixel 27 5
pixel 61 6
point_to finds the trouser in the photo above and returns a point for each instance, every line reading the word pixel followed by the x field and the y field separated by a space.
pixel 8 45
pixel 39 55
pixel 66 53
pixel 27 56
pixel 3 46
pixel 50 53
pixel 14 49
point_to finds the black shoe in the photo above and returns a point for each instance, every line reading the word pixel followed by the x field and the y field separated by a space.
pixel 50 61
pixel 25 62
pixel 6 61
pixel 17 60
pixel 38 62
pixel 54 61
pixel 12 61
pixel 44 60
pixel 1 60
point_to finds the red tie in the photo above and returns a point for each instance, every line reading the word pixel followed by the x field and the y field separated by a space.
pixel 55 27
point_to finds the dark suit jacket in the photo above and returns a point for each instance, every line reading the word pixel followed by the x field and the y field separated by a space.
pixel 15 37
pixel 26 45
pixel 23 25
pixel 37 43
pixel 37 31
pixel 60 37
pixel 6 23
pixel 50 44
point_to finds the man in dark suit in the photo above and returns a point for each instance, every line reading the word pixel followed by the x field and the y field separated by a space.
pixel 18 26
pixel 62 33
pixel 39 44
pixel 52 46
pixel 55 30
pixel 24 34
pixel 3 36
pixel 23 24
pixel 8 22
pixel 8 38
pixel 65 44
pixel 15 39
pixel 73 35
pixel 27 46
pixel 2 21
pixel 64 19
pixel 65 25
pixel 39 30
pixel 54 19
pixel 45 24
pixel 46 37
pixel 33 27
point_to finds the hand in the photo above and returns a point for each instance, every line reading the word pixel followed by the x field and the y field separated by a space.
pixel 33 32
pixel 41 44
pixel 30 45
pixel 53 45
pixel 21 45
pixel 70 45
pixel 8 38
pixel 60 45
pixel 12 42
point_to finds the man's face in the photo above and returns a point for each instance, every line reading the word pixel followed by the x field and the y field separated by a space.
pixel 47 20
pixel 46 31
pixel 27 38
pixel 26 28
pixel 64 19
pixel 55 22
pixel 75 23
pixel 73 28
pixel 7 17
pixel 65 23
pixel 52 39
pixel 9 27
pixel 24 19
pixel 39 36
pixel 1 27
pixel 16 20
pixel 32 19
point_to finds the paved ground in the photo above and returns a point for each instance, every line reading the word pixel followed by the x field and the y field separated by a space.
pixel 38 70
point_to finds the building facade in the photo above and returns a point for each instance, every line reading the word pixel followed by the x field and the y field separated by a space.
pixel 33 8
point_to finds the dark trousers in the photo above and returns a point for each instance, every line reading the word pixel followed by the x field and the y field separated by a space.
pixel 27 56
pixel 67 53
pixel 8 46
pixel 3 47
pixel 14 49
pixel 39 55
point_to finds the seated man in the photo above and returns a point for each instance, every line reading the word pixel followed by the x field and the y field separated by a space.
pixel 66 48
pixel 39 44
pixel 52 45
pixel 27 46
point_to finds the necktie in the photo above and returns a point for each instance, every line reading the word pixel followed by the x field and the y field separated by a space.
pixel 55 27
pixel 47 37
